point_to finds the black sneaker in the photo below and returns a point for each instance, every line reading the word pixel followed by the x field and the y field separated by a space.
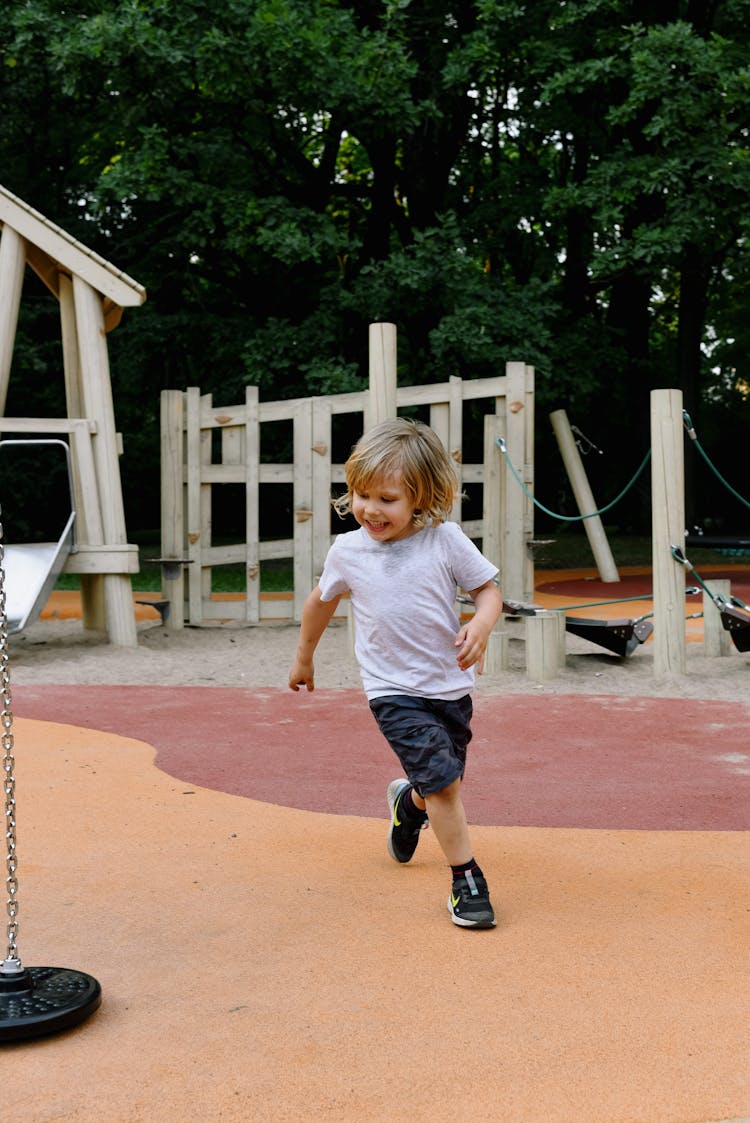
pixel 469 902
pixel 403 833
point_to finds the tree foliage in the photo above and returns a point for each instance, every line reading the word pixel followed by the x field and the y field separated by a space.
pixel 565 184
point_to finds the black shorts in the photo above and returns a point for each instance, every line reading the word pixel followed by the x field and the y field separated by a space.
pixel 428 735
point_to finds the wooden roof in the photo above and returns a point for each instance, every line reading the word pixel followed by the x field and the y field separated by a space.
pixel 50 250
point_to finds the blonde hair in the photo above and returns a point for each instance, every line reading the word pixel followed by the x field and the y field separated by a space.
pixel 417 453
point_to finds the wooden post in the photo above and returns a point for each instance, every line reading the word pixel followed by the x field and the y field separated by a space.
pixel 251 452
pixel 71 368
pixel 74 407
pixel 716 638
pixel 193 505
pixel 321 483
pixel 12 265
pixel 518 523
pixel 172 506
pixel 381 402
pixel 96 398
pixel 304 576
pixel 497 656
pixel 605 563
pixel 529 441
pixel 206 511
pixel 545 645
pixel 667 530
pixel 492 493
pixel 351 630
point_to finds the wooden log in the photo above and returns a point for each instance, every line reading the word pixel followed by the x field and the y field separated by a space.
pixel 668 529
pixel 545 645
pixel 103 559
pixel 595 533
pixel 77 259
pixel 381 402
pixel 497 655
pixel 440 421
pixel 193 478
pixel 492 493
pixel 321 483
pixel 716 639
pixel 304 569
pixel 12 266
pixel 96 399
pixel 71 368
pixel 518 522
pixel 172 505
pixel 252 505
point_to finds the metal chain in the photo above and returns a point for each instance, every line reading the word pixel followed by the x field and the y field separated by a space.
pixel 9 783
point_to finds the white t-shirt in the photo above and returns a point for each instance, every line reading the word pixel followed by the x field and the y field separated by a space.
pixel 403 595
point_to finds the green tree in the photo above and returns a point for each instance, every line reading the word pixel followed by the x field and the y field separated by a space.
pixel 566 184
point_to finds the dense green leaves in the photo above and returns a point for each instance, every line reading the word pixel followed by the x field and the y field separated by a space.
pixel 565 184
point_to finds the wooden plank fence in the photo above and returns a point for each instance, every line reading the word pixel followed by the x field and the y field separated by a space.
pixel 193 462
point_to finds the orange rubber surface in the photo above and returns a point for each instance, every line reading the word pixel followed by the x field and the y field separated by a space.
pixel 264 963
pixel 271 963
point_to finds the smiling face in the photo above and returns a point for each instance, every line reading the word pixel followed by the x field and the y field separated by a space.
pixel 385 509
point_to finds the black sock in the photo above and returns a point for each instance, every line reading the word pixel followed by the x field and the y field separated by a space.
pixel 462 870
pixel 410 808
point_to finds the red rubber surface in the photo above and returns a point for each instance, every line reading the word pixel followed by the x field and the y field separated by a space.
pixel 552 761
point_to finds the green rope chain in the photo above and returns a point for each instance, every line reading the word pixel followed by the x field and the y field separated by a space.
pixel 500 442
pixel 603 510
pixel 694 438
pixel 718 598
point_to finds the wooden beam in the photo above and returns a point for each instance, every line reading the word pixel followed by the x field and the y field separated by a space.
pixel 518 511
pixel 12 265
pixel 103 559
pixel 252 505
pixel 381 401
pixel 96 395
pixel 45 268
pixel 667 530
pixel 72 255
pixel 172 504
pixel 584 496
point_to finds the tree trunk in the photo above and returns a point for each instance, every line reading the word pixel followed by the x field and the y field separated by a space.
pixel 695 276
pixel 628 400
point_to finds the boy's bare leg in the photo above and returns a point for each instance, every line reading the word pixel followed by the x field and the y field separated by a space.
pixel 469 901
pixel 448 820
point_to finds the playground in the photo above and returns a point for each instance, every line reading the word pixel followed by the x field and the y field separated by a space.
pixel 210 847
pixel 253 938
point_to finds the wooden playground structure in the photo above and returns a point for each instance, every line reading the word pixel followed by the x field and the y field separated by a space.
pixel 92 295
pixel 204 446
pixel 193 462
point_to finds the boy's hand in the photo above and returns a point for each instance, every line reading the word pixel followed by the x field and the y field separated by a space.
pixel 473 637
pixel 472 642
pixel 302 674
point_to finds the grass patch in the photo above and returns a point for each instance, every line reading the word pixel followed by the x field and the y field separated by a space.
pixel 275 577
pixel 571 550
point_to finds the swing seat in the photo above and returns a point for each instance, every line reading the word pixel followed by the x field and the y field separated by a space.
pixel 736 621
pixel 519 608
pixel 621 637
pixel 739 542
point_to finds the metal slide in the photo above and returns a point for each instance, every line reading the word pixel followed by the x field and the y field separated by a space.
pixel 32 569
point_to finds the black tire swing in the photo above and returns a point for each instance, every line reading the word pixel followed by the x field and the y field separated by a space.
pixel 34 1001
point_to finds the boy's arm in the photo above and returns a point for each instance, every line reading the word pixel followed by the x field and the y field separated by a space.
pixel 315 617
pixel 474 634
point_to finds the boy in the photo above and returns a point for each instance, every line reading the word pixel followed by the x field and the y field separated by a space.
pixel 402 568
